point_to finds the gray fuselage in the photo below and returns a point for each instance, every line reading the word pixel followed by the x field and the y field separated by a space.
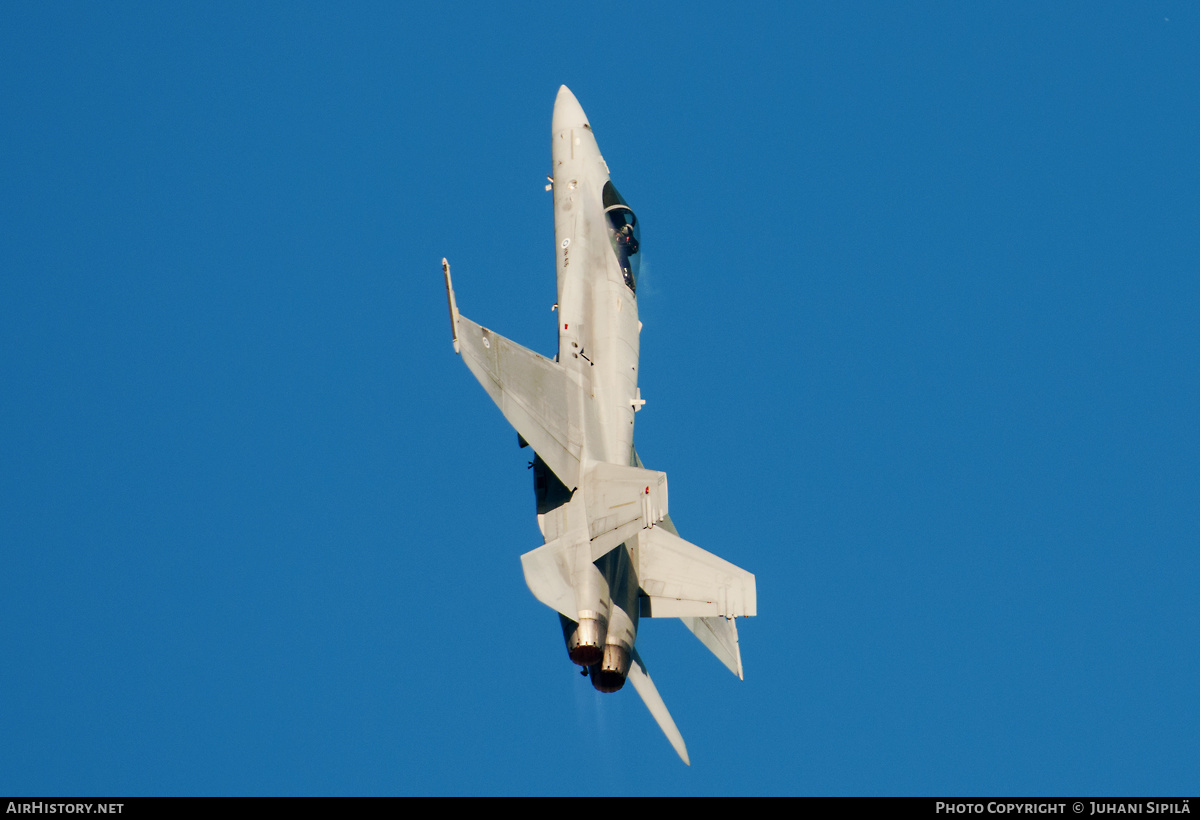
pixel 611 554
pixel 598 341
pixel 597 310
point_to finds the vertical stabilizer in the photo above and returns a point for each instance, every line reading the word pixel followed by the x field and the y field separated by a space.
pixel 645 687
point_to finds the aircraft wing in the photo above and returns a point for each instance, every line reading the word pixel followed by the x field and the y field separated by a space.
pixel 681 580
pixel 719 635
pixel 537 396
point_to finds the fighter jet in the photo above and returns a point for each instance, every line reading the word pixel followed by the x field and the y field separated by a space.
pixel 611 555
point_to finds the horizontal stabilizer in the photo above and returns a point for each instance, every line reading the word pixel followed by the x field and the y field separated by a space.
pixel 539 397
pixel 548 572
pixel 721 638
pixel 680 580
pixel 645 687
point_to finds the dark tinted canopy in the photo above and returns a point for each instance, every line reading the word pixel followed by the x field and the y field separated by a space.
pixel 623 233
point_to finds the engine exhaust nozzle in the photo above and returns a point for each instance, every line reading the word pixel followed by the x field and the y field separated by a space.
pixel 585 645
pixel 609 675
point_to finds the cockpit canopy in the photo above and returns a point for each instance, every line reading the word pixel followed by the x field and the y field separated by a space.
pixel 624 234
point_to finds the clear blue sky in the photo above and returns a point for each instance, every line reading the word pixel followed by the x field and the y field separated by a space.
pixel 922 350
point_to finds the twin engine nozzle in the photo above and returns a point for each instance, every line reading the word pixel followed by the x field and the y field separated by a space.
pixel 585 640
pixel 617 502
pixel 607 664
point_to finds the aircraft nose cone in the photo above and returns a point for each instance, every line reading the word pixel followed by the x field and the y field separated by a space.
pixel 567 112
